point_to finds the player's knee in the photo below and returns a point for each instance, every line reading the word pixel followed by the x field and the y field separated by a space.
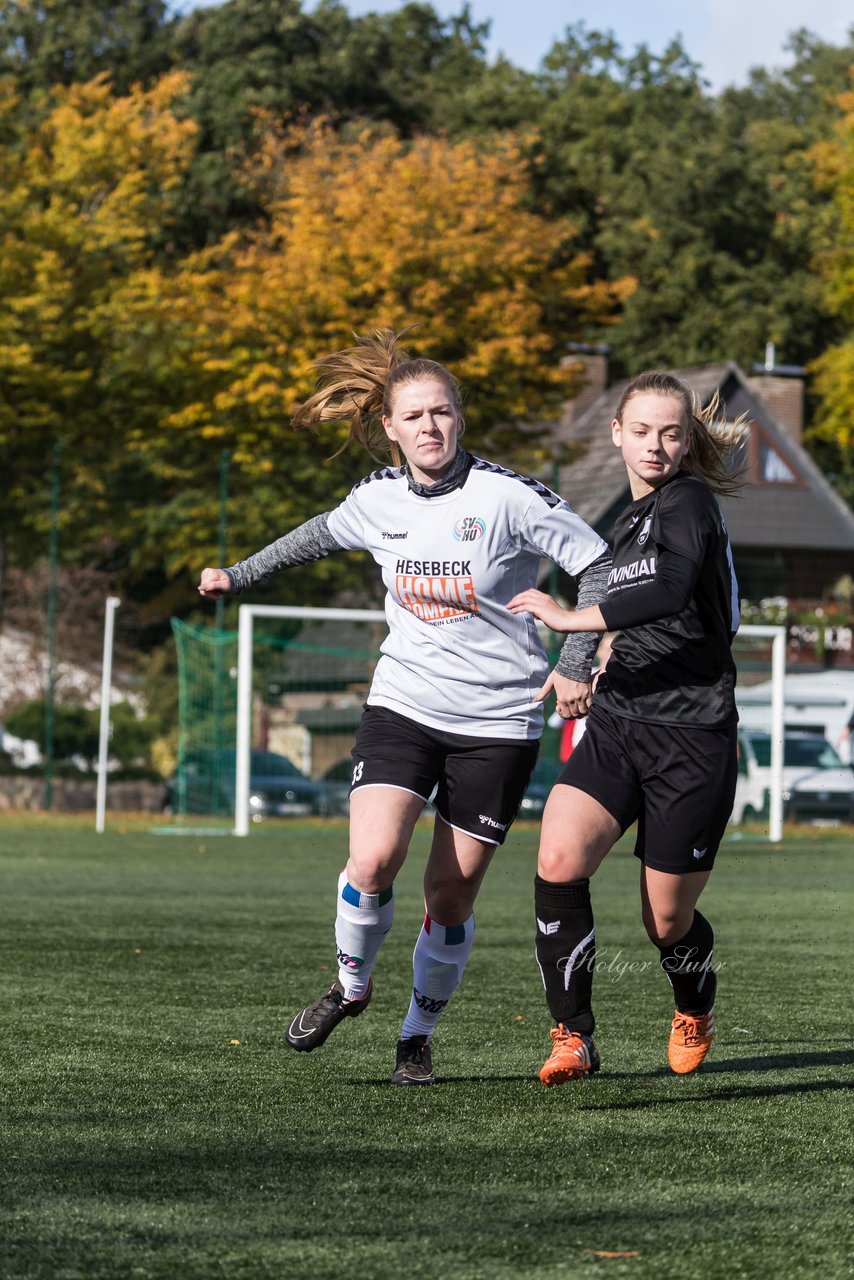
pixel 558 865
pixel 373 871
pixel 664 927
pixel 450 900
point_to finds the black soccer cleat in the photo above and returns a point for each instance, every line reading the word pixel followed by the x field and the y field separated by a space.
pixel 314 1024
pixel 414 1064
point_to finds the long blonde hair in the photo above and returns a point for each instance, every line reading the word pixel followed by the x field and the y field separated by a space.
pixel 356 386
pixel 715 442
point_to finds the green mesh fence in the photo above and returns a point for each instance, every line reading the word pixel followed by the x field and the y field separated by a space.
pixel 309 683
pixel 207 718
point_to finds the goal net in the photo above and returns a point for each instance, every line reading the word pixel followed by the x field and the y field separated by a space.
pixel 268 714
pixel 295 683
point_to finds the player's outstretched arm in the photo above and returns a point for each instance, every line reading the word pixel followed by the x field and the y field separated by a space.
pixel 214 583
pixel 548 610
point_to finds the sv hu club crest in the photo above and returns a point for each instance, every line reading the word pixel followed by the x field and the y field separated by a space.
pixel 469 529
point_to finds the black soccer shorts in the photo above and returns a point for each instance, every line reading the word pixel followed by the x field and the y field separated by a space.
pixel 676 782
pixel 479 782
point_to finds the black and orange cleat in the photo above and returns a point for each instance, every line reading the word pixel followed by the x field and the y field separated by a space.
pixel 573 1056
pixel 690 1040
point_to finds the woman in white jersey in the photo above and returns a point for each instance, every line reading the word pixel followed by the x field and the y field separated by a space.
pixel 452 704
pixel 660 745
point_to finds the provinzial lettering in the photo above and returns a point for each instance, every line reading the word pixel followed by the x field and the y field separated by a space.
pixel 626 572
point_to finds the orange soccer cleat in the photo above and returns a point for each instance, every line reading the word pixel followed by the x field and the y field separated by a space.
pixel 690 1040
pixel 573 1056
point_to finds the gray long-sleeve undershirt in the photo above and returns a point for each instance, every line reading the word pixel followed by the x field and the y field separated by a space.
pixel 579 648
pixel 309 542
pixel 313 541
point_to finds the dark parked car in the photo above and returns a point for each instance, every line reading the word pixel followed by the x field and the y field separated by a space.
pixel 337 779
pixel 205 780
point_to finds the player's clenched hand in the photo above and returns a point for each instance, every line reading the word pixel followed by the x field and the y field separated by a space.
pixel 542 607
pixel 214 583
pixel 573 697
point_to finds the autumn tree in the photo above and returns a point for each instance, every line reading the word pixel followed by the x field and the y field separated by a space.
pixel 360 232
pixel 83 197
pixel 832 433
pixel 401 68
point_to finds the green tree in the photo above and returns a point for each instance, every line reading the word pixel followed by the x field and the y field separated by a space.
pixel 707 200
pixel 76 733
pixel 46 43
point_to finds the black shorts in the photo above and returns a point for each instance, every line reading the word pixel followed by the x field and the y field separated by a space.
pixel 677 782
pixel 479 782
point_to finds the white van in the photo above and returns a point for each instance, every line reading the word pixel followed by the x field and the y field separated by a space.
pixel 817 786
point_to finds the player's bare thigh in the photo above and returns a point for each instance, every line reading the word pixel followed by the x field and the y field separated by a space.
pixel 576 834
pixel 382 820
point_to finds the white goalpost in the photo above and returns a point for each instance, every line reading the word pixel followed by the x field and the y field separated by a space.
pixel 777 636
pixel 112 603
pixel 247 613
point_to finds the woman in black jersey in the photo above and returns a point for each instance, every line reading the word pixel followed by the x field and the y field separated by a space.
pixel 660 746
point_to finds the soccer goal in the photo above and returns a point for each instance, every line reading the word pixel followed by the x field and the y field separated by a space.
pixel 288 689
pixel 303 697
pixel 339 648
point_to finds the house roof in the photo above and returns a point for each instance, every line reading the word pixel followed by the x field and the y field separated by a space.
pixel 806 514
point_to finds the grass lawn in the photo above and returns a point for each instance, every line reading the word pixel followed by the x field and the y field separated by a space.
pixel 156 1125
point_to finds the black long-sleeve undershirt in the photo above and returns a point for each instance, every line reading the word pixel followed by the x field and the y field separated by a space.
pixel 660 597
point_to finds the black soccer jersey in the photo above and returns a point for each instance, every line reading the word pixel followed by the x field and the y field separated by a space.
pixel 674 669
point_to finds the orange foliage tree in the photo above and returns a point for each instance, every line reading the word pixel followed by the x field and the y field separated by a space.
pixel 361 231
pixel 832 432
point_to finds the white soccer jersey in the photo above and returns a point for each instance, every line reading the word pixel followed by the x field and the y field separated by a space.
pixel 455 658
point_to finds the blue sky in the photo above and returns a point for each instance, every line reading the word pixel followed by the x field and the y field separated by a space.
pixel 727 37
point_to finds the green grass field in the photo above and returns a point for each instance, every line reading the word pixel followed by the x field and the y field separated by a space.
pixel 156 1125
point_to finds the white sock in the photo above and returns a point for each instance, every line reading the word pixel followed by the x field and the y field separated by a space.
pixel 361 923
pixel 438 961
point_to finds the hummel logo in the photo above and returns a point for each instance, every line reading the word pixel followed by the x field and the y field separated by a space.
pixel 551 927
pixel 393 536
pixel 700 853
pixel 635 520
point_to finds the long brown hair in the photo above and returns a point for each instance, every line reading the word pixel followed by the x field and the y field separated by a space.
pixel 356 386
pixel 715 442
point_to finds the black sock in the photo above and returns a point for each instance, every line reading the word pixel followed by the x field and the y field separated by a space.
pixel 566 950
pixel 687 964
